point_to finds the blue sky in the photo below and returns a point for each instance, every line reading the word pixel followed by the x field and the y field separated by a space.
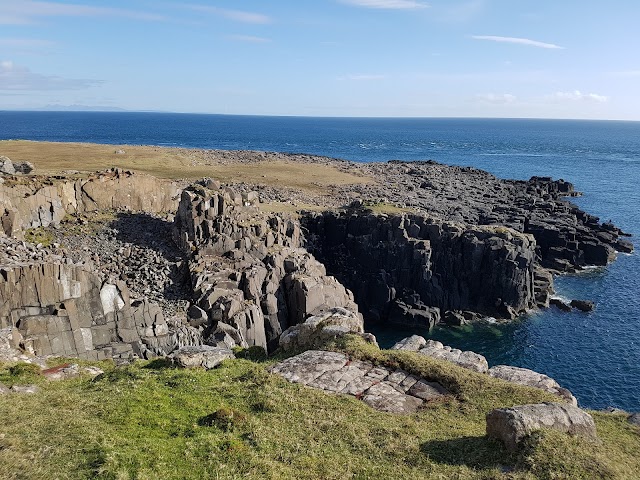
pixel 480 58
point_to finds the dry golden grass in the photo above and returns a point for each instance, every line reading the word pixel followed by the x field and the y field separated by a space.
pixel 172 163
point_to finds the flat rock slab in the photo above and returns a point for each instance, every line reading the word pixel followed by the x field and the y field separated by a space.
pixel 393 391
pixel 200 356
pixel 25 389
pixel 466 359
pixel 512 425
pixel 524 376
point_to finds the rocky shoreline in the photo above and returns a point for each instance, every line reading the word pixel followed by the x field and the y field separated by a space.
pixel 122 265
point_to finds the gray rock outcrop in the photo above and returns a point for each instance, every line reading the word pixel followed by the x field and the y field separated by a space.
pixel 251 280
pixel 524 376
pixel 466 359
pixel 203 356
pixel 393 391
pixel 512 425
pixel 6 166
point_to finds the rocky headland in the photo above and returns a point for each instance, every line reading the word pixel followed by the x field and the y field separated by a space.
pixel 122 265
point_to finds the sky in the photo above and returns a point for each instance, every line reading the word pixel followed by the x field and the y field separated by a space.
pixel 360 58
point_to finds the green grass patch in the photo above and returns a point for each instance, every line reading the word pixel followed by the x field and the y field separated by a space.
pixel 149 420
pixel 39 235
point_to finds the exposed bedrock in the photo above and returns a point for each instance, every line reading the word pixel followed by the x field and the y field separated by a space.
pixel 43 201
pixel 63 309
pixel 411 269
pixel 250 278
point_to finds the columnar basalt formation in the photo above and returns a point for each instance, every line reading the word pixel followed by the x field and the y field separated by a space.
pixel 411 269
pixel 251 280
pixel 56 308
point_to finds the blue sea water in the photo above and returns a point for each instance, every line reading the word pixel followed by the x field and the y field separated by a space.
pixel 595 355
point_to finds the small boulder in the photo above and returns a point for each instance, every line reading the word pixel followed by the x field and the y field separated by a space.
pixel 634 419
pixel 30 389
pixel 411 344
pixel 3 389
pixel 23 167
pixel 203 356
pixel 6 166
pixel 62 372
pixel 512 425
pixel 583 305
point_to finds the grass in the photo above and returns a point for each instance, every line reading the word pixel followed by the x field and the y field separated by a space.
pixel 53 158
pixel 149 421
pixel 39 235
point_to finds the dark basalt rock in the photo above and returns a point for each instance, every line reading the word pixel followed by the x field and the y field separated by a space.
pixel 583 305
pixel 561 304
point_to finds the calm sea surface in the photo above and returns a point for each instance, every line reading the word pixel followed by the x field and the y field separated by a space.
pixel 596 355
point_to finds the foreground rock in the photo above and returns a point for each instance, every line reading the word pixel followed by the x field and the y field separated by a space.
pixel 393 391
pixel 524 376
pixel 203 356
pixel 318 329
pixel 432 348
pixel 512 425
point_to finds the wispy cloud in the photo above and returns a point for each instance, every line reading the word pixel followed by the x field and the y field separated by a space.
pixel 577 96
pixel 235 15
pixel 387 4
pixel 248 39
pixel 516 40
pixel 496 98
pixel 19 78
pixel 362 77
pixel 28 11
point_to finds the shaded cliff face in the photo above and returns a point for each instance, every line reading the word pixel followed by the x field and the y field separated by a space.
pixel 416 262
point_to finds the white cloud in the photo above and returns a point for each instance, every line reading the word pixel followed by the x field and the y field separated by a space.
pixel 496 98
pixel 520 41
pixel 362 77
pixel 19 78
pixel 236 15
pixel 249 39
pixel 387 4
pixel 27 11
pixel 577 96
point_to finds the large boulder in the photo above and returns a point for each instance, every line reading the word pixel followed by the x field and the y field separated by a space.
pixel 319 328
pixel 23 167
pixel 512 425
pixel 200 356
pixel 524 376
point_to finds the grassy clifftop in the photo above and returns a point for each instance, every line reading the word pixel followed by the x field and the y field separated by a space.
pixel 149 421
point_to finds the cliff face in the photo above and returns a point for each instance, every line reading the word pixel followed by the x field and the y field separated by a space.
pixel 43 201
pixel 61 309
pixel 404 265
pixel 250 278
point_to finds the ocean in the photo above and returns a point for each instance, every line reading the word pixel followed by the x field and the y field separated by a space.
pixel 595 355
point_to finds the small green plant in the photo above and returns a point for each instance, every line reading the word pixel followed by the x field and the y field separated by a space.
pixel 254 353
pixel 39 235
pixel 226 419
